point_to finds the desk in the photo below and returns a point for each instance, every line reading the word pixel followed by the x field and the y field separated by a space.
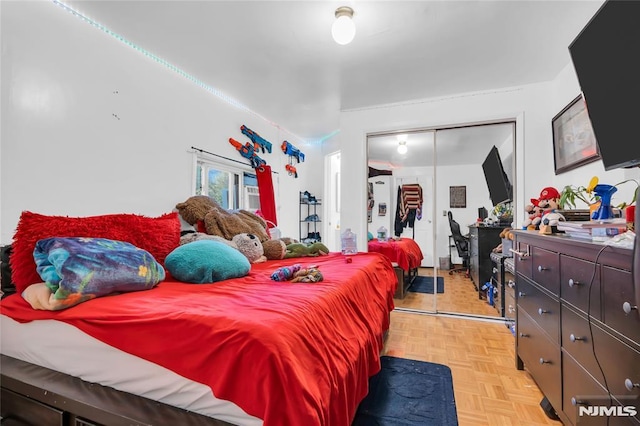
pixel 482 239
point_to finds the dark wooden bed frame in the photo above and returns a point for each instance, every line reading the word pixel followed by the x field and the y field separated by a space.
pixel 404 280
pixel 33 395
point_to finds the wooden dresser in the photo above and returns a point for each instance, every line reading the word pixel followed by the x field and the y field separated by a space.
pixel 578 327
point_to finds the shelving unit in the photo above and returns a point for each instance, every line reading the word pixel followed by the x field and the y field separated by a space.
pixel 309 218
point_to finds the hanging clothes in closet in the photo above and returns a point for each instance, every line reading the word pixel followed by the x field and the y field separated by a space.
pixel 408 207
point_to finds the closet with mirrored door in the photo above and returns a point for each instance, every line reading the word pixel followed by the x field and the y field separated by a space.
pixel 447 194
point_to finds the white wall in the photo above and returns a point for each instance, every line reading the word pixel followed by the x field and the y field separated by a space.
pixel 533 107
pixel 90 126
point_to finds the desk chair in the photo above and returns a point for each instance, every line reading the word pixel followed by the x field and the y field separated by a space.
pixel 462 246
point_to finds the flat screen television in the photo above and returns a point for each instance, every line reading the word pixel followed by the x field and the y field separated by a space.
pixel 607 63
pixel 606 59
pixel 500 189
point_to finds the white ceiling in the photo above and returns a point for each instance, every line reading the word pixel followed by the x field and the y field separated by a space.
pixel 278 58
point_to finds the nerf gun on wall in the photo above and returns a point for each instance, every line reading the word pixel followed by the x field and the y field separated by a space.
pixel 258 141
pixel 292 151
pixel 247 151
pixel 291 170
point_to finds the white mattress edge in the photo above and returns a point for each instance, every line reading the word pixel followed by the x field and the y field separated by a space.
pixel 62 347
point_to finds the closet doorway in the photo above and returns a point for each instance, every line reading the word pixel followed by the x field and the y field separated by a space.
pixel 448 163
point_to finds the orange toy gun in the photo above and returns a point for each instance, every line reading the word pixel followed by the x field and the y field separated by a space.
pixel 291 170
pixel 246 150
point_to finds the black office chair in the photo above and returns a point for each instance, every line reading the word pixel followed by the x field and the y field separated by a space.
pixel 462 246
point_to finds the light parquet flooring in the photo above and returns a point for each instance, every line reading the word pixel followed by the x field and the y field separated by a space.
pixel 459 296
pixel 488 388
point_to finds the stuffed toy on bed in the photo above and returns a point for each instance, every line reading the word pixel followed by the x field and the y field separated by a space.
pixel 303 250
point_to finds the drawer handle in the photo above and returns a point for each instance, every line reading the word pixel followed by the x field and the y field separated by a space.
pixel 495 270
pixel 521 294
pixel 511 283
pixel 511 309
pixel 630 385
pixel 573 338
pixel 524 335
pixel 544 361
pixel 575 402
pixel 521 256
pixel 627 308
pixel 572 282
pixel 542 311
pixel 542 268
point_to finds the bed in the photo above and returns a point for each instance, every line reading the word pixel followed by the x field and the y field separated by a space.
pixel 245 351
pixel 406 256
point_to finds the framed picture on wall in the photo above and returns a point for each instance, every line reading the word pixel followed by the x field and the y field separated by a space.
pixel 574 143
pixel 457 197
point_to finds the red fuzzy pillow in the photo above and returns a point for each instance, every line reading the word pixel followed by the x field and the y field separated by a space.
pixel 159 236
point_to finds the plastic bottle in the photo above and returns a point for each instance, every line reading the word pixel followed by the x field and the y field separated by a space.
pixel 382 234
pixel 349 243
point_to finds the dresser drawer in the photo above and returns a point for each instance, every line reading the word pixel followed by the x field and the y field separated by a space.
pixel 576 284
pixel 576 340
pixel 541 307
pixel 546 269
pixel 541 357
pixel 580 390
pixel 618 291
pixel 620 364
pixel 509 307
pixel 522 261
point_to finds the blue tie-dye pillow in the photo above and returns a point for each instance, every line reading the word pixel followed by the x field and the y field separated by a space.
pixel 78 269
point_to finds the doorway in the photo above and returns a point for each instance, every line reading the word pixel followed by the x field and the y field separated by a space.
pixel 449 163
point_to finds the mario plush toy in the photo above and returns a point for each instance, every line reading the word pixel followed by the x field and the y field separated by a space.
pixel 546 203
pixel 549 199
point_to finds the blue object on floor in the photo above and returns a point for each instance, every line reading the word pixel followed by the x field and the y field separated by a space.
pixel 409 393
pixel 425 285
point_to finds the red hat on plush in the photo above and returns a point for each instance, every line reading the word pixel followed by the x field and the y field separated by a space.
pixel 549 193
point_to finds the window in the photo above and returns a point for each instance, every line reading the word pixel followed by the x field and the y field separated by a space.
pixel 229 186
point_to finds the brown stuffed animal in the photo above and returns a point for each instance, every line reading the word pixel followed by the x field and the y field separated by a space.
pixel 274 249
pixel 203 211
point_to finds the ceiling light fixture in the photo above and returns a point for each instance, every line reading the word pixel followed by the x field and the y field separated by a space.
pixel 343 29
pixel 402 147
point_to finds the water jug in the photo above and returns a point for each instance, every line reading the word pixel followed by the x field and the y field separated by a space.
pixel 349 244
pixel 382 234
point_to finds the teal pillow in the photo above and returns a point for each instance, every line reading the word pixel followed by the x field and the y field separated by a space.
pixel 206 261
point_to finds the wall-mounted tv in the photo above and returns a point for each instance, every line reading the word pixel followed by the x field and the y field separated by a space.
pixel 500 189
pixel 606 59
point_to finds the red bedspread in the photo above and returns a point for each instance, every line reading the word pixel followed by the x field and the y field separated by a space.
pixel 405 252
pixel 290 354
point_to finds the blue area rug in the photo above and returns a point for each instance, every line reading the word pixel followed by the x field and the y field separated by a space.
pixel 409 393
pixel 425 285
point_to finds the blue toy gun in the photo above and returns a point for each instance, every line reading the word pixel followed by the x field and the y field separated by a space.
pixel 292 151
pixel 258 141
pixel 257 161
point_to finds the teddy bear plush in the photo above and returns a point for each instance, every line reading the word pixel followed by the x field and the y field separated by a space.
pixel 204 214
pixel 207 215
pixel 274 249
pixel 250 246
